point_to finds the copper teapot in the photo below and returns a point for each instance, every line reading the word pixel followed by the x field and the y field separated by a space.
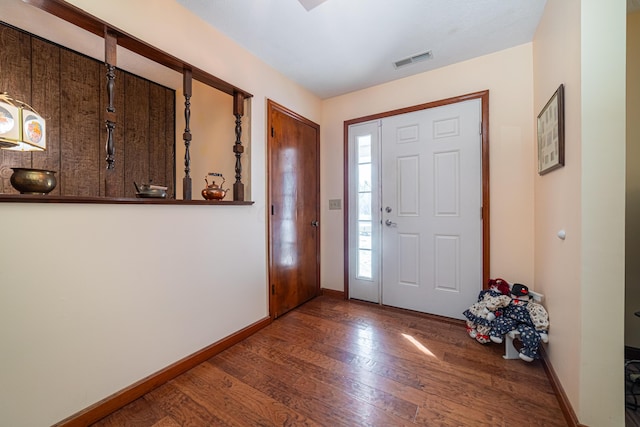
pixel 213 191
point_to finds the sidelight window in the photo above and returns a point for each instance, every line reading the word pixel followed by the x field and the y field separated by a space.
pixel 364 200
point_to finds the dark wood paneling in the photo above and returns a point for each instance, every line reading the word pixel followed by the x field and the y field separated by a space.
pixel 15 78
pixel 119 133
pixel 136 168
pixel 80 125
pixel 157 130
pixel 170 142
pixel 45 99
pixel 117 173
pixel 69 90
pixel 15 63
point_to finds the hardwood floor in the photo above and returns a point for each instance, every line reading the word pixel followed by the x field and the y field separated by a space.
pixel 338 363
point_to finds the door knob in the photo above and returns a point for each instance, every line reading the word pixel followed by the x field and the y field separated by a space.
pixel 390 223
pixel 314 223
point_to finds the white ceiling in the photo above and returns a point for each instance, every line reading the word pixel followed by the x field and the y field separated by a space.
pixel 333 47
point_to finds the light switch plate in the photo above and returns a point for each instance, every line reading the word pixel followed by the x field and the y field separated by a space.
pixel 335 204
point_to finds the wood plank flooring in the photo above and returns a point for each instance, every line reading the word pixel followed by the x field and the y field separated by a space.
pixel 333 363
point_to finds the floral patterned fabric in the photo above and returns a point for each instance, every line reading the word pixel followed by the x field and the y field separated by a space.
pixel 530 319
pixel 478 319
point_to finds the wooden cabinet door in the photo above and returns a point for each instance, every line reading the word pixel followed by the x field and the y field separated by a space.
pixel 294 209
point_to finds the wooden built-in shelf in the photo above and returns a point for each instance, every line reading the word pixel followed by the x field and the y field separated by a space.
pixel 36 198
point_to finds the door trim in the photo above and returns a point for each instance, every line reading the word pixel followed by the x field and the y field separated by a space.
pixel 274 106
pixel 484 98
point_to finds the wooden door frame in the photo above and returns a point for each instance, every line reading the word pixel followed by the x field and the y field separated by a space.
pixel 484 98
pixel 272 105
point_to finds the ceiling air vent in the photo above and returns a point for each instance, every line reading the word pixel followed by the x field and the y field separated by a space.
pixel 413 59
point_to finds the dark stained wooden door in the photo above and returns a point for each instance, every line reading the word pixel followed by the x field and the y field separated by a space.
pixel 294 209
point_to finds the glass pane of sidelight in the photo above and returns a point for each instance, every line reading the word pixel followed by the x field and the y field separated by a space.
pixel 364 149
pixel 364 177
pixel 364 264
pixel 364 206
pixel 364 234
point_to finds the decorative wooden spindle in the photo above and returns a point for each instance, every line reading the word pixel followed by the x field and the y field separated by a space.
pixel 110 48
pixel 110 116
pixel 238 149
pixel 186 182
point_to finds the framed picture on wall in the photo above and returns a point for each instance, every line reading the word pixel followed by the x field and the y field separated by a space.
pixel 551 134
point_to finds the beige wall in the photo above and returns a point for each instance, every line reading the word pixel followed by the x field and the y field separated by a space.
pixel 212 125
pixel 603 54
pixel 116 283
pixel 632 252
pixel 557 194
pixel 508 77
pixel 581 44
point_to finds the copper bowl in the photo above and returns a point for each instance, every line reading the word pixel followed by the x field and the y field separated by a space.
pixel 33 181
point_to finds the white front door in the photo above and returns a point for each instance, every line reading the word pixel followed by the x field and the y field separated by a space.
pixel 431 202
